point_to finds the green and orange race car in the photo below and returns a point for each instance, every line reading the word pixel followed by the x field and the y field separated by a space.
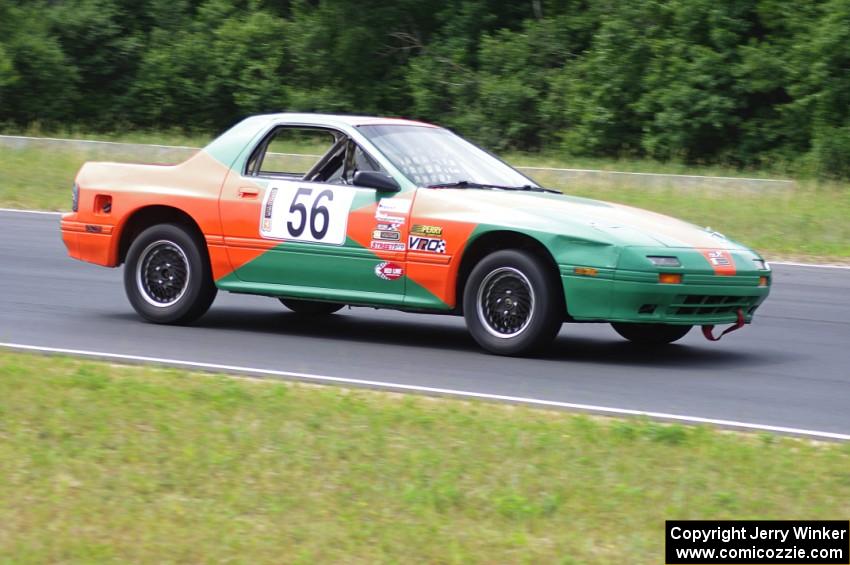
pixel 392 213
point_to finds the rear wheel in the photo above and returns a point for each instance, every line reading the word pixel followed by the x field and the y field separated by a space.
pixel 651 334
pixel 512 303
pixel 167 275
pixel 311 307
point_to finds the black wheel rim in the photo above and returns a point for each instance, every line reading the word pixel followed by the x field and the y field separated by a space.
pixel 505 302
pixel 163 273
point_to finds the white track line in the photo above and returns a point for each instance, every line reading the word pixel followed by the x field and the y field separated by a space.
pixel 42 212
pixel 251 371
pixel 793 264
pixel 95 142
pixel 671 175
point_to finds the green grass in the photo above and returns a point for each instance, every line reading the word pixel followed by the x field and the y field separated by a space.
pixel 636 165
pixel 808 222
pixel 174 137
pixel 102 463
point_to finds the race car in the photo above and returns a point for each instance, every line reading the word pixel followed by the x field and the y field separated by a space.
pixel 323 211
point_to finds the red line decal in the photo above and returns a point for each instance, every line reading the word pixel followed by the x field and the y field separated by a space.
pixel 389 271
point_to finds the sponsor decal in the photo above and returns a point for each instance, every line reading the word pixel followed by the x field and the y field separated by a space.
pixel 386 235
pixel 389 271
pixel 721 261
pixel 394 205
pixel 392 210
pixel 397 220
pixel 267 210
pixel 387 246
pixel 433 245
pixel 267 213
pixel 718 258
pixel 388 227
pixel 420 229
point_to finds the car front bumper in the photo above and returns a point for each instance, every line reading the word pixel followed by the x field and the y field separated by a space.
pixel 698 300
pixel 632 292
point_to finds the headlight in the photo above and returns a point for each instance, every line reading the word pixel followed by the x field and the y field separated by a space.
pixel 75 198
pixel 761 264
pixel 662 261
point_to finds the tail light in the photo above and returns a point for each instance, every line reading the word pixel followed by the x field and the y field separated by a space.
pixel 75 198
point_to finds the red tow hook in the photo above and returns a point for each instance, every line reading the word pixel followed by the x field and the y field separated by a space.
pixel 707 330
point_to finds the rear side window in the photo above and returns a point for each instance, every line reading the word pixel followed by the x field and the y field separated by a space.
pixel 290 151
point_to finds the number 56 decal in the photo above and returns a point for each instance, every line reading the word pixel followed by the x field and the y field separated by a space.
pixel 305 213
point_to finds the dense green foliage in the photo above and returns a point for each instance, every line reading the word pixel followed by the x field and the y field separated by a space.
pixel 746 83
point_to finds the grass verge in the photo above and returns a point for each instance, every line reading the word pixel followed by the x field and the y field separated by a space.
pixel 808 222
pixel 128 464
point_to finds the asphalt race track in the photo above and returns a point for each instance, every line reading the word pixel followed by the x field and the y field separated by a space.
pixel 789 369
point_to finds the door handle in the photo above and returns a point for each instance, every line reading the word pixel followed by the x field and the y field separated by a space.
pixel 248 192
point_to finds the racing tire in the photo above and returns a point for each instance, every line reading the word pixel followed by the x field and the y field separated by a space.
pixel 167 275
pixel 311 307
pixel 513 304
pixel 651 334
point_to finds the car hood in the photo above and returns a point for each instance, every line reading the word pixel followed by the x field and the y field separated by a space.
pixel 593 219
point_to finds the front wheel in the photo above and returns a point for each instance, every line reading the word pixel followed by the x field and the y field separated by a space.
pixel 651 334
pixel 512 303
pixel 167 275
pixel 311 307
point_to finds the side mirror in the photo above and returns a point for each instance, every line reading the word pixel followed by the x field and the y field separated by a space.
pixel 381 182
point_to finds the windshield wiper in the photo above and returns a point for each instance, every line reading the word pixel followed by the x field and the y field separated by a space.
pixel 532 188
pixel 469 184
pixel 460 184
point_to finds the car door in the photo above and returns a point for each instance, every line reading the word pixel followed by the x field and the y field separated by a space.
pixel 297 229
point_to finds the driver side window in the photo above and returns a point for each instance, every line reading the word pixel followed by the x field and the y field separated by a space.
pixel 309 153
pixel 341 163
pixel 358 160
pixel 291 152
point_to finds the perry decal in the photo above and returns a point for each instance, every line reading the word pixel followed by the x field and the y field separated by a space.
pixel 420 229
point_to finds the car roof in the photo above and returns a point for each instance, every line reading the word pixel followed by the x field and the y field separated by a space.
pixel 342 120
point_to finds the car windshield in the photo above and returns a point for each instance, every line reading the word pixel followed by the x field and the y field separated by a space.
pixel 432 156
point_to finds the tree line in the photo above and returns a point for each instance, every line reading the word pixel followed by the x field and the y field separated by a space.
pixel 738 82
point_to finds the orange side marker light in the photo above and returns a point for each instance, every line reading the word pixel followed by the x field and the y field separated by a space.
pixel 670 278
pixel 586 271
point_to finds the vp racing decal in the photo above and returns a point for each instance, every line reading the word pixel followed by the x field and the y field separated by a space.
pixel 433 245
